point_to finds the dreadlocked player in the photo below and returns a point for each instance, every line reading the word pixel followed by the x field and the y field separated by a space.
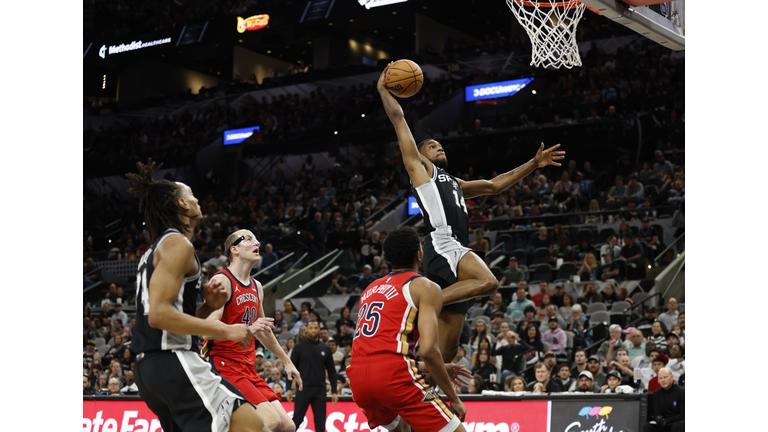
pixel 174 381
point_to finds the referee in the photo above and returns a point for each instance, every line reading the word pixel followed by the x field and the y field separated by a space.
pixel 313 357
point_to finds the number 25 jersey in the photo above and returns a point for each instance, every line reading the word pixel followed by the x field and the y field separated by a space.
pixel 387 321
pixel 442 204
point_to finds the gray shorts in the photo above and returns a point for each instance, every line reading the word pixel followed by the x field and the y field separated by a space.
pixel 442 254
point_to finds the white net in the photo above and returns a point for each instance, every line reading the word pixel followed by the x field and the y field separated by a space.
pixel 552 29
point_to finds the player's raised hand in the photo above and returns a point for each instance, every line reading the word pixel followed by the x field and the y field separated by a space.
pixel 455 372
pixel 294 375
pixel 381 85
pixel 262 324
pixel 215 294
pixel 548 156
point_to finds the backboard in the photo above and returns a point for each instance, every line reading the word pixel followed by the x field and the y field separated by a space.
pixel 662 22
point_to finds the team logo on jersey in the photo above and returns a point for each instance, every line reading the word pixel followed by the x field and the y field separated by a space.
pixel 430 396
pixel 237 288
pixel 222 363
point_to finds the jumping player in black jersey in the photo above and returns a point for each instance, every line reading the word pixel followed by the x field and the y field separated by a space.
pixel 173 379
pixel 462 275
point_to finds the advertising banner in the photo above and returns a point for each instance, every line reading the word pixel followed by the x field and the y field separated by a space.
pixel 591 415
pixel 482 416
pixel 495 90
pixel 236 136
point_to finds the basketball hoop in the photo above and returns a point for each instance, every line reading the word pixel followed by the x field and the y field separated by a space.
pixel 552 29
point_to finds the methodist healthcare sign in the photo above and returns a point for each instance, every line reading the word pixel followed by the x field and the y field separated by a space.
pixel 132 46
pixel 495 90
pixel 236 136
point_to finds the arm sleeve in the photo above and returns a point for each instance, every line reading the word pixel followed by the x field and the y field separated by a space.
pixel 331 371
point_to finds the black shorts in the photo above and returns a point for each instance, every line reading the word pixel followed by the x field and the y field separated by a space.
pixel 442 254
pixel 185 393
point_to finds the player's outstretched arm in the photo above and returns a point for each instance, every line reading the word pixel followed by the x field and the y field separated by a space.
pixel 498 184
pixel 428 299
pixel 175 260
pixel 418 170
pixel 270 342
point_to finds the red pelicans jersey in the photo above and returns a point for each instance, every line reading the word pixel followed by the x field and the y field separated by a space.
pixel 387 319
pixel 242 308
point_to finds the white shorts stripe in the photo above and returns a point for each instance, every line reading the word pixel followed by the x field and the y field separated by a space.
pixel 199 390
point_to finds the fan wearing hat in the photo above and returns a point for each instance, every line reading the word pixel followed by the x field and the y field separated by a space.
pixel 513 274
pixel 614 380
pixel 646 325
pixel 595 368
pixel 659 362
pixel 345 332
pixel 555 336
pixel 585 383
pixel 217 260
pixel 366 279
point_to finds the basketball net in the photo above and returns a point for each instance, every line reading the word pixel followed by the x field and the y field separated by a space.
pixel 552 29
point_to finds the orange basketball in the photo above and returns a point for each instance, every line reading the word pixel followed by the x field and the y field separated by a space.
pixel 404 78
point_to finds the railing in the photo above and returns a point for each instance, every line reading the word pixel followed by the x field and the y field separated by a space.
pixel 397 199
pixel 278 262
pixel 673 246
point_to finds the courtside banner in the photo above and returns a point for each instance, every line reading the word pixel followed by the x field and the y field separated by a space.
pixel 594 415
pixel 511 416
pixel 495 90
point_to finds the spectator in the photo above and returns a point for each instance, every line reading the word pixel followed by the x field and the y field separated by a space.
pixel 461 358
pixel 646 324
pixel 543 383
pixel 130 385
pixel 616 193
pixel 532 340
pixel 589 266
pixel 668 412
pixel 481 244
pixel 304 320
pixel 338 355
pixel 218 259
pixel 484 365
pixel 480 332
pixel 551 312
pixel 366 279
pixel 681 322
pixel 586 383
pixel 541 240
pixel 578 325
pixel 609 296
pixel 676 363
pixel 564 377
pixel 521 301
pixel 344 334
pixel 609 270
pixel 589 295
pixel 657 336
pixel 316 230
pixel 495 304
pixel 543 291
pixel 275 378
pixel 541 311
pixel 558 296
pixel 636 347
pixel 268 258
pixel 477 385
pixel 610 248
pixel 114 386
pixel 344 315
pixel 289 312
pixel 529 318
pixel 593 365
pixel 496 322
pixel 508 353
pixel 555 336
pixel 579 363
pixel 87 388
pixel 671 316
pixel 566 310
pixel 280 324
pixel 90 352
pixel 513 274
pixel 119 315
pixel 613 381
pixel 657 364
pixel 91 273
pixel 609 347
pixel 632 254
pixel 644 361
pixel 516 384
pixel 634 192
pixel 662 168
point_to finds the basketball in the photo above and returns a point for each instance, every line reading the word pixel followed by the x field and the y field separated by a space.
pixel 404 78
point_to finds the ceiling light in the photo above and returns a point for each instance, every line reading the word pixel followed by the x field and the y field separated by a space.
pixel 269 51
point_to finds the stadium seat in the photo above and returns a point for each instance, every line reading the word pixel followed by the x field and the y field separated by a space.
pixel 542 256
pixel 583 233
pixel 599 317
pixel 323 312
pixel 619 307
pixel 543 272
pixel 508 320
pixel 605 233
pixel 332 318
pixel 284 336
pixel 467 351
pixel 476 313
pixel 103 350
pixel 497 273
pixel 337 310
pixel 99 341
pixel 547 346
pixel 595 307
pixel 522 257
pixel 566 270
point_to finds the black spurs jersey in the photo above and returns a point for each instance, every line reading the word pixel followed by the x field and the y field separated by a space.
pixel 146 338
pixel 442 204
